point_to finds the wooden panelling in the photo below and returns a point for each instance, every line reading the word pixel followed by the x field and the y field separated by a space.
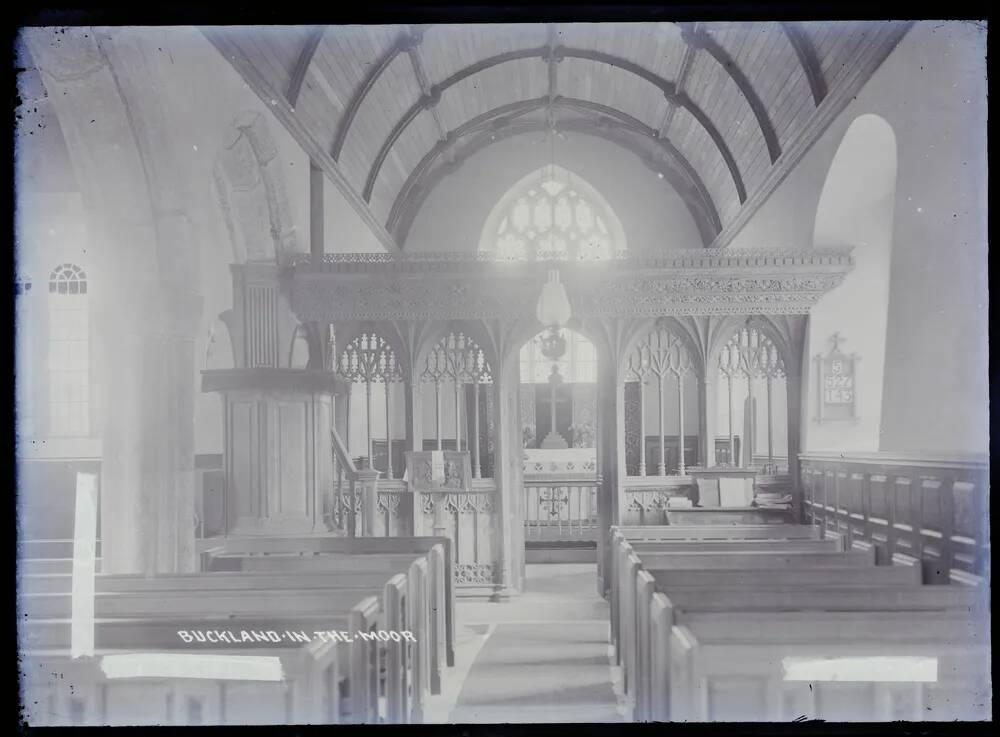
pixel 931 512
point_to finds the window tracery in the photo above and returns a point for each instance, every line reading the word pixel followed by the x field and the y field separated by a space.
pixel 553 215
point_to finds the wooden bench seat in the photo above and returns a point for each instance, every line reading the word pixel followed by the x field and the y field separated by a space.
pixel 743 609
pixel 719 532
pixel 348 672
pixel 365 553
pixel 432 648
pixel 314 690
pixel 743 604
pixel 826 545
pixel 727 666
pixel 407 680
pixel 624 566
pixel 640 584
pixel 767 560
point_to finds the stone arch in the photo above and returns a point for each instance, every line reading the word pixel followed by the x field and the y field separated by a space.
pixel 251 190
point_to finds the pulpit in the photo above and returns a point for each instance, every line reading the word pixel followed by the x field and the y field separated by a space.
pixel 276 450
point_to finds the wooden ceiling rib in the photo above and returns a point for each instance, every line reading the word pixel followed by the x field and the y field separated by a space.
pixel 723 102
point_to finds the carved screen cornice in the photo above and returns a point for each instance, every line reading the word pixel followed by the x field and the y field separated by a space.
pixel 458 286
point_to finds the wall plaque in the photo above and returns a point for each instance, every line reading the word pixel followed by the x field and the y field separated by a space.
pixel 837 389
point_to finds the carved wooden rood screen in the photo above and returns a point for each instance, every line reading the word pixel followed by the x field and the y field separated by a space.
pixel 456 397
pixel 454 499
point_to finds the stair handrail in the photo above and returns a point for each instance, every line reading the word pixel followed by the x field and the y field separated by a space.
pixel 343 457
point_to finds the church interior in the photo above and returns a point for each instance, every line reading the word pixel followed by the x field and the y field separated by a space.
pixel 486 373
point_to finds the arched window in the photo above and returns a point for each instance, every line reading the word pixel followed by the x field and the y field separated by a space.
pixel 661 396
pixel 369 362
pixel 457 363
pixel 753 399
pixel 552 214
pixel 69 352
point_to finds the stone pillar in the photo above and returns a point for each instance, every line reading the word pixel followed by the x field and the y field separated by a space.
pixel 508 475
pixel 708 407
pixel 143 285
pixel 276 450
pixel 793 388
pixel 611 460
pixel 145 345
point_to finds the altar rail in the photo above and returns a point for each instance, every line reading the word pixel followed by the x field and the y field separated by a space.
pixel 561 508
pixel 934 511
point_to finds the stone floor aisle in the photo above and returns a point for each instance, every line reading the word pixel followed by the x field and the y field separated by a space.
pixel 542 657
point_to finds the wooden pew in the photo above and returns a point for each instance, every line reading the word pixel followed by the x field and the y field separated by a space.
pixel 826 545
pixel 427 605
pixel 62 691
pixel 673 605
pixel 623 537
pixel 440 642
pixel 690 572
pixel 639 584
pixel 225 551
pixel 727 666
pixel 324 681
pixel 766 560
pixel 718 532
pixel 398 603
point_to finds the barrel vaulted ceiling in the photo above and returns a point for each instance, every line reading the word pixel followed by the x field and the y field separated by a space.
pixel 722 110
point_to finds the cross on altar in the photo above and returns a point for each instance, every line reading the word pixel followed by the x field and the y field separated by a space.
pixel 837 340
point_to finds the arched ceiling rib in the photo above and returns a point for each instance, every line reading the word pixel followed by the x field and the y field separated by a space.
pixel 552 55
pixel 806 54
pixel 726 107
pixel 592 118
pixel 302 64
pixel 450 155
